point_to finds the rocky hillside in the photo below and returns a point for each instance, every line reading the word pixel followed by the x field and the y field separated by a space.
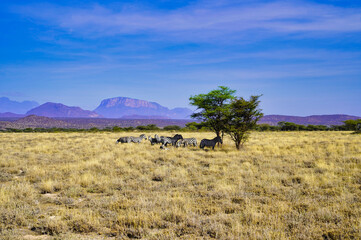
pixel 60 110
pixel 33 121
pixel 122 106
pixel 86 123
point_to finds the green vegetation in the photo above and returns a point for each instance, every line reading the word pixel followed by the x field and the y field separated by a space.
pixel 242 117
pixel 358 128
pixel 149 127
pixel 213 108
pixel 196 127
pixel 222 112
pixel 172 127
pixel 288 126
pixel 353 125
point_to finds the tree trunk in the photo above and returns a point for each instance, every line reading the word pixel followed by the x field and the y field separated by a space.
pixel 222 137
pixel 218 135
pixel 237 140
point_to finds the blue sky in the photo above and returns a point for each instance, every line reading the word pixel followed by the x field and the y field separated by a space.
pixel 303 56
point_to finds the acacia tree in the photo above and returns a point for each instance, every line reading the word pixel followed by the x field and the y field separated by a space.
pixel 241 117
pixel 213 107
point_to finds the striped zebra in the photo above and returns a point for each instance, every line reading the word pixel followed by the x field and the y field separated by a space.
pixel 154 140
pixel 186 142
pixel 124 140
pixel 210 142
pixel 138 139
pixel 157 137
pixel 171 140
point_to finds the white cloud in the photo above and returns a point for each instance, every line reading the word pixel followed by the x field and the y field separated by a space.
pixel 200 21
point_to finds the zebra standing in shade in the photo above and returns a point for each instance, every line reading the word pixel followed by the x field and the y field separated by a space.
pixel 138 139
pixel 186 142
pixel 210 142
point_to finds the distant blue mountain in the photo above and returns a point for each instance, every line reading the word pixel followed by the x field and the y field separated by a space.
pixel 333 119
pixel 7 105
pixel 50 109
pixel 123 107
pixel 11 115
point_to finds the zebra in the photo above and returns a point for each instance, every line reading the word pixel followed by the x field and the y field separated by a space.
pixel 210 142
pixel 138 139
pixel 180 142
pixel 163 147
pixel 154 140
pixel 171 140
pixel 186 142
pixel 157 137
pixel 124 140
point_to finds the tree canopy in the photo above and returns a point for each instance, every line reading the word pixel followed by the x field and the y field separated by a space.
pixel 221 111
pixel 242 116
pixel 213 107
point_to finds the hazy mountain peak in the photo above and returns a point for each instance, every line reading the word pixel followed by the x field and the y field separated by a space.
pixel 119 107
pixel 50 109
pixel 128 102
pixel 7 105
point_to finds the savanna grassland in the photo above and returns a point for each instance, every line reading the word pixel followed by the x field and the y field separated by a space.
pixel 282 185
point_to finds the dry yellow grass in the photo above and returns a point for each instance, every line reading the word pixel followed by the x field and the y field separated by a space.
pixel 283 185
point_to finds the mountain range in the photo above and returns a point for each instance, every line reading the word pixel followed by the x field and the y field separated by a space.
pixel 130 109
pixel 119 107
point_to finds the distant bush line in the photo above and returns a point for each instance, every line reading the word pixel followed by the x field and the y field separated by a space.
pixel 349 125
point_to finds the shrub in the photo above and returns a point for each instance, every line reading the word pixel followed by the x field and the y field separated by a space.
pixel 117 129
pixel 264 127
pixel 172 127
pixel 149 127
pixel 352 125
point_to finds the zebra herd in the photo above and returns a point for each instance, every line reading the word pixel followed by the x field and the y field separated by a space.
pixel 132 139
pixel 177 141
